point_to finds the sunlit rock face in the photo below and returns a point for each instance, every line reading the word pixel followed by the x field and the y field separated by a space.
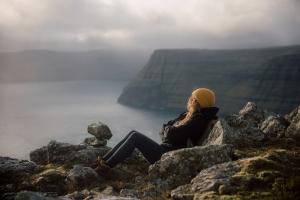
pixel 268 76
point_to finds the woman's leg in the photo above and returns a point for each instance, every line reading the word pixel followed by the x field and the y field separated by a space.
pixel 110 152
pixel 151 150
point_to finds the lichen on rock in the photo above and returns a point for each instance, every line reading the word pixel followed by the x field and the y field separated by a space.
pixel 179 166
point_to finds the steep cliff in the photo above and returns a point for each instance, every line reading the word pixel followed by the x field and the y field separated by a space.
pixel 268 76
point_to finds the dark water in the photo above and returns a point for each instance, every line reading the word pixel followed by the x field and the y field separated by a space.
pixel 32 114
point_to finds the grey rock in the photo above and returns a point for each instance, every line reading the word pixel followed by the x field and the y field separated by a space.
pixel 290 116
pixel 67 154
pixel 293 129
pixel 182 192
pixel 100 130
pixel 180 166
pixel 274 126
pixel 210 179
pixel 11 168
pixel 252 113
pixel 223 133
pixel 80 177
pixel 93 141
pixel 40 155
pixel 242 129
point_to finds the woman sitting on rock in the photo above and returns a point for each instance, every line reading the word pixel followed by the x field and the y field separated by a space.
pixel 190 124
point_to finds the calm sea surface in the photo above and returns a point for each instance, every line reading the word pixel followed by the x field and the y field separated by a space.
pixel 32 114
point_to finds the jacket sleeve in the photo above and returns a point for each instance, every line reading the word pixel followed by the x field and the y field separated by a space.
pixel 181 133
pixel 171 122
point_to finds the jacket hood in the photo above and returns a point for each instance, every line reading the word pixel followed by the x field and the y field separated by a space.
pixel 210 112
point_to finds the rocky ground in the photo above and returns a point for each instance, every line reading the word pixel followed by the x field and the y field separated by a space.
pixel 253 154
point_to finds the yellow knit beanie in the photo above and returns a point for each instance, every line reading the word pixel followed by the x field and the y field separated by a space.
pixel 204 96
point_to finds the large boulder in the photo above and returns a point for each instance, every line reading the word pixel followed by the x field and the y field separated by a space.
pixel 253 114
pixel 100 130
pixel 93 141
pixel 180 166
pixel 240 130
pixel 241 135
pixel 14 176
pixel 67 154
pixel 262 175
pixel 274 126
pixel 11 169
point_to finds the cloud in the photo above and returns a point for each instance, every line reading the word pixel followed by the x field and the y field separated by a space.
pixel 96 24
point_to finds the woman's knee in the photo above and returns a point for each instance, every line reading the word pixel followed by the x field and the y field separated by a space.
pixel 135 136
pixel 131 132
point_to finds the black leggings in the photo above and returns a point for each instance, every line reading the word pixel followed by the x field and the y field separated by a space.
pixel 151 150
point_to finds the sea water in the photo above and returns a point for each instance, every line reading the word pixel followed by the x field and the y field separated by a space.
pixel 34 113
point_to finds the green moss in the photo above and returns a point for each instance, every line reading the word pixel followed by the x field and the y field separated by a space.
pixel 270 175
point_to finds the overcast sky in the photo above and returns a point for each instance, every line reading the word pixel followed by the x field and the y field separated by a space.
pixel 149 24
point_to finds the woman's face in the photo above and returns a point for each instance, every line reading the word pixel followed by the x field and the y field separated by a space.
pixel 191 102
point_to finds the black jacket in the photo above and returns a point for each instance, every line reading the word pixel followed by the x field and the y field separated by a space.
pixel 176 137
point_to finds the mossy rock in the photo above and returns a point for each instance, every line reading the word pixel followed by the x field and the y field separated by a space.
pixel 274 171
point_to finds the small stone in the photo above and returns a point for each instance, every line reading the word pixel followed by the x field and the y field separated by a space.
pixel 99 130
pixel 93 141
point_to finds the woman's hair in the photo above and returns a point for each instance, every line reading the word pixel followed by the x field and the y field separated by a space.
pixel 192 106
pixel 200 98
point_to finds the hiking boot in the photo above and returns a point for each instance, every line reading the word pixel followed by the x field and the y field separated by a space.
pixel 97 162
pixel 103 169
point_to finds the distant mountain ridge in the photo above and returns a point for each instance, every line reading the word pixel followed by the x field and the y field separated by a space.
pixel 47 65
pixel 268 76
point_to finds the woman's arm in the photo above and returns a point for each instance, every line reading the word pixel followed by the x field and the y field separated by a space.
pixel 180 133
pixel 171 122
